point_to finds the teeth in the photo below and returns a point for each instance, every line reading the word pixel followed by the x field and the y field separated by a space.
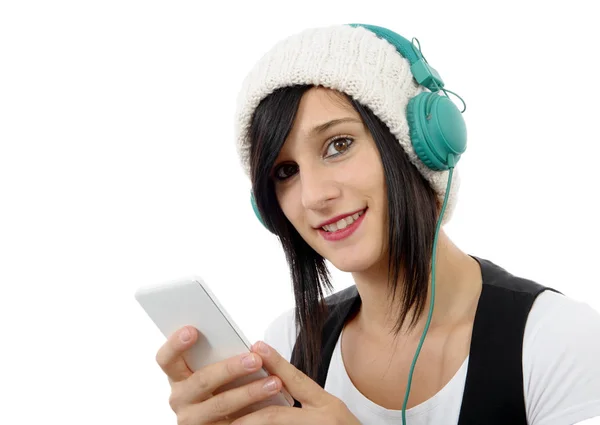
pixel 343 223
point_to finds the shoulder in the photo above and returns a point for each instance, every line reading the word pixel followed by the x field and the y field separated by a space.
pixel 561 367
pixel 562 316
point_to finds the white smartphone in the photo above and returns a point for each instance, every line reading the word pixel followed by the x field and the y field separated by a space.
pixel 190 302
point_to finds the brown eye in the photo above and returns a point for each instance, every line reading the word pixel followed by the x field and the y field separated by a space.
pixel 339 146
pixel 285 171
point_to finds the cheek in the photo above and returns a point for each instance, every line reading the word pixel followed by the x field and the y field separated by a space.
pixel 367 176
pixel 369 179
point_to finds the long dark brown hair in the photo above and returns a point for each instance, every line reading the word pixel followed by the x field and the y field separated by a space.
pixel 412 215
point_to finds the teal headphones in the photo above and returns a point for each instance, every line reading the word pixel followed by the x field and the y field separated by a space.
pixel 437 128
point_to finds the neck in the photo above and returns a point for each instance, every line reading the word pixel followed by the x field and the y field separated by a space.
pixel 458 285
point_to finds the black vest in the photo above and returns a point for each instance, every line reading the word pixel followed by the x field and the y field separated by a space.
pixel 493 393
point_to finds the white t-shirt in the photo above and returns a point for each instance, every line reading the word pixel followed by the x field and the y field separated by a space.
pixel 561 370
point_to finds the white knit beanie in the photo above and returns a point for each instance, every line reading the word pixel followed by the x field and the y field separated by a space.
pixel 354 61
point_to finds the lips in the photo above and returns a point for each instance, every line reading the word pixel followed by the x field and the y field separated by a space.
pixel 340 217
pixel 343 223
pixel 345 231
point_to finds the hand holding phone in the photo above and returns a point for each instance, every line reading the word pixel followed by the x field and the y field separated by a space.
pixel 195 396
pixel 206 357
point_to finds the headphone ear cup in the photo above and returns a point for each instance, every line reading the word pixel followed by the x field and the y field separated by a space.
pixel 438 134
pixel 256 211
pixel 416 130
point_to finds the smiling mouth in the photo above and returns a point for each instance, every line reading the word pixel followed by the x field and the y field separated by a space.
pixel 343 223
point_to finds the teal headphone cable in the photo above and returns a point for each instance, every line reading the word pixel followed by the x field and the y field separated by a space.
pixel 451 163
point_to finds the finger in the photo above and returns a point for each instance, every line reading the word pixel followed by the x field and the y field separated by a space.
pixel 299 385
pixel 231 401
pixel 288 397
pixel 169 356
pixel 278 415
pixel 202 383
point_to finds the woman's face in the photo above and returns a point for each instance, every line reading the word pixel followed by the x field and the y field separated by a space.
pixel 330 184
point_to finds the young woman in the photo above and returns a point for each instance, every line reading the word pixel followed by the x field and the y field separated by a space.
pixel 350 142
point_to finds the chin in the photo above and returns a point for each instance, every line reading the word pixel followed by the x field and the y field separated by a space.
pixel 361 255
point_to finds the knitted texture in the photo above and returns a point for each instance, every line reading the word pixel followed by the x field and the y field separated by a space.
pixel 352 60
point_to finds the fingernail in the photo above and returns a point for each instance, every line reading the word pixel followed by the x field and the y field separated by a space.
pixel 270 385
pixel 262 348
pixel 248 361
pixel 185 335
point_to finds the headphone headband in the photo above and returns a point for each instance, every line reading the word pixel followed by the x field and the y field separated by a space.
pixel 422 72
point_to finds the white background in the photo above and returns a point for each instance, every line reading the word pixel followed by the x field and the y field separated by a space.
pixel 118 169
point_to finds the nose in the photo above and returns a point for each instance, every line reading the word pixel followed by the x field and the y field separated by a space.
pixel 318 188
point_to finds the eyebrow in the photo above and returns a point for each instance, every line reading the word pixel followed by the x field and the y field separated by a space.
pixel 326 126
